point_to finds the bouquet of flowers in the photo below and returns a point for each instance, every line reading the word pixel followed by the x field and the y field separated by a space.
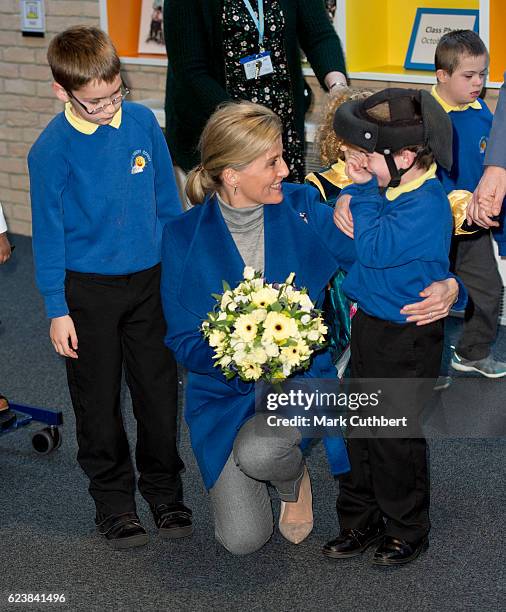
pixel 263 331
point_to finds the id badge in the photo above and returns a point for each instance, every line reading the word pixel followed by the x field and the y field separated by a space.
pixel 257 65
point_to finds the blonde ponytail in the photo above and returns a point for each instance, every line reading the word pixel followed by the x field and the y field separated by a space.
pixel 234 136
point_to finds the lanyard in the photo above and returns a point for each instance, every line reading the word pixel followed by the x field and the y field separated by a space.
pixel 260 22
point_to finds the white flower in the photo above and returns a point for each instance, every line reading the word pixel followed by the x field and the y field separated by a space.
pixel 292 294
pixel 271 348
pixel 290 277
pixel 305 303
pixel 226 298
pixel 305 319
pixel 224 361
pixel 290 355
pixel 222 316
pixel 258 355
pixel 264 297
pixel 245 327
pixel 216 338
pixel 249 273
pixel 279 327
pixel 313 335
pixel 251 370
pixel 241 299
pixel 240 356
pixel 259 314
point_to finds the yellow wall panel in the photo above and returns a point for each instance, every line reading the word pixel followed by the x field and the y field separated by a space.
pixel 378 31
pixel 401 17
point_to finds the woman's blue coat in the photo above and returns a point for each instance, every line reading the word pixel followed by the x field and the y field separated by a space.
pixel 198 253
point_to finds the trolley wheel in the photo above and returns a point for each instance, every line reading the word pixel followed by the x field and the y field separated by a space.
pixel 46 440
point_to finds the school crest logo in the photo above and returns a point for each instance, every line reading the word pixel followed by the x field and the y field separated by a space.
pixel 483 144
pixel 139 160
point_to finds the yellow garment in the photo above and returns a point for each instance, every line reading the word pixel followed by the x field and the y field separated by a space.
pixel 335 174
pixel 395 192
pixel 87 127
pixel 448 108
pixel 459 200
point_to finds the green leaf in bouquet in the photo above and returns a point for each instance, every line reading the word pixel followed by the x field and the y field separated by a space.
pixel 276 307
pixel 216 296
pixel 226 286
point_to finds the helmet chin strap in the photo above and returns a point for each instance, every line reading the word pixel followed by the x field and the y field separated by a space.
pixel 396 173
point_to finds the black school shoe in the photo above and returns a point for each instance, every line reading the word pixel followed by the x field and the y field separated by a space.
pixel 393 551
pixel 352 542
pixel 173 520
pixel 122 531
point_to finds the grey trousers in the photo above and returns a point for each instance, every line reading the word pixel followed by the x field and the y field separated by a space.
pixel 474 262
pixel 243 520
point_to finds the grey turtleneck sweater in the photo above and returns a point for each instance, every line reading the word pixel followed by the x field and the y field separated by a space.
pixel 247 228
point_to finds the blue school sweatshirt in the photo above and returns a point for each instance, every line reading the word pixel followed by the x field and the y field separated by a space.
pixel 99 200
pixel 471 130
pixel 402 239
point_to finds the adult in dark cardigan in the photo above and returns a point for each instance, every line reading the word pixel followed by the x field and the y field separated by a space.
pixel 205 41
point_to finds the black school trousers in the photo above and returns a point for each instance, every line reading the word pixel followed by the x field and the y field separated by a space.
pixel 389 478
pixel 473 260
pixel 119 323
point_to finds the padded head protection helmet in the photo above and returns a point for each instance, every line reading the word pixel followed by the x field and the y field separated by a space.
pixel 394 119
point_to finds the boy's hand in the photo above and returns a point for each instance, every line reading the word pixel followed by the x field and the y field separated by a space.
pixel 5 248
pixel 342 215
pixel 356 168
pixel 62 329
pixel 440 296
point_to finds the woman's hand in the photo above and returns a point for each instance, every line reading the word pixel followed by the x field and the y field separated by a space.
pixel 439 298
pixel 62 329
pixel 342 215
pixel 488 197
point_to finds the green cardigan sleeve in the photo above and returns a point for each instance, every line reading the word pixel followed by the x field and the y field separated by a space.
pixel 190 52
pixel 318 39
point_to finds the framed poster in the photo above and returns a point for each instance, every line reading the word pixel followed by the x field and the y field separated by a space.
pixel 151 37
pixel 33 19
pixel 430 25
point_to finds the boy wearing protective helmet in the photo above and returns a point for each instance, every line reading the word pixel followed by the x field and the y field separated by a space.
pixel 402 230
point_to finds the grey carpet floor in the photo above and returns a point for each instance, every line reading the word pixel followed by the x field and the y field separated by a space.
pixel 47 543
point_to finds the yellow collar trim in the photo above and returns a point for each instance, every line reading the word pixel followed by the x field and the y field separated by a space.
pixel 339 167
pixel 394 192
pixel 87 127
pixel 448 108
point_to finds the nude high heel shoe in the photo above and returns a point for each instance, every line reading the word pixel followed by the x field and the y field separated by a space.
pixel 296 518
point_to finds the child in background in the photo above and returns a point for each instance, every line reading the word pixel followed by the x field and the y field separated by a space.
pixel 338 309
pixel 102 187
pixel 461 68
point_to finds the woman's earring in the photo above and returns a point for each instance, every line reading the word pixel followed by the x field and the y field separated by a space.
pixel 235 189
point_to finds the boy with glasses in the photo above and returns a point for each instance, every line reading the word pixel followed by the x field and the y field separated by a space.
pixel 102 187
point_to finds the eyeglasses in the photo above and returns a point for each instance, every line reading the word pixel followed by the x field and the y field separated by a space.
pixel 95 110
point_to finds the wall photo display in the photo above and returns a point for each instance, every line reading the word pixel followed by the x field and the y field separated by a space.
pixel 151 36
